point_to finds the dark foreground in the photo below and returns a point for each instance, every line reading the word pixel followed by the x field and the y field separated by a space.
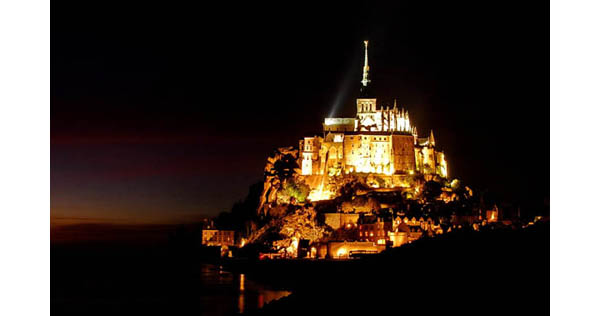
pixel 95 279
pixel 500 272
pixel 471 273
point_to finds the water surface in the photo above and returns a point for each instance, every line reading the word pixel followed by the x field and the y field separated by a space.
pixel 128 282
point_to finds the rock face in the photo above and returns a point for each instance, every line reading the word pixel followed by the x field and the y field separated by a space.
pixel 283 188
pixel 302 224
pixel 290 201
pixel 284 232
pixel 281 165
pixel 282 172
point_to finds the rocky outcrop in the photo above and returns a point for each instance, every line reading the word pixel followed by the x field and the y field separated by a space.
pixel 283 233
pixel 302 224
pixel 281 164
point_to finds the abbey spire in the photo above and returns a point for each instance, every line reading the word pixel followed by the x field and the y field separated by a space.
pixel 365 80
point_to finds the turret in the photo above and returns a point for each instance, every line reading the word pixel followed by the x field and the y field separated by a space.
pixel 366 103
pixel 415 134
pixel 431 139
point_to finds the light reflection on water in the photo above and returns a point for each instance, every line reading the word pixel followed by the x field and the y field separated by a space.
pixel 249 294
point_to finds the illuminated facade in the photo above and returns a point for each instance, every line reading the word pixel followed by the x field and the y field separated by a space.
pixel 375 231
pixel 345 249
pixel 215 237
pixel 377 141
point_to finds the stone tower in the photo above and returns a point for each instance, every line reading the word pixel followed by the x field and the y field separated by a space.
pixel 366 104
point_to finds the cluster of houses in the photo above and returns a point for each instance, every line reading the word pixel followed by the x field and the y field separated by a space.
pixel 362 234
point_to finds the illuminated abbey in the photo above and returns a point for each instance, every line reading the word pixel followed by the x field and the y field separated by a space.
pixel 377 141
pixel 365 184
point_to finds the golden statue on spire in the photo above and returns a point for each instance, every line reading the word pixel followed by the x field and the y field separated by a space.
pixel 365 80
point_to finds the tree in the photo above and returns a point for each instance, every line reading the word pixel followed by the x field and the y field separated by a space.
pixel 297 190
pixel 293 189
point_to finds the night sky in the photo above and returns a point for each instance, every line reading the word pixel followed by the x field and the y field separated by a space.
pixel 163 113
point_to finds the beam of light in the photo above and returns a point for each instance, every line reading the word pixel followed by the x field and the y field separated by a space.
pixel 351 80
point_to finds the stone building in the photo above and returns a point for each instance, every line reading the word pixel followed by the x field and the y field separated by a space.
pixel 216 237
pixel 374 229
pixel 339 220
pixel 378 140
pixel 346 249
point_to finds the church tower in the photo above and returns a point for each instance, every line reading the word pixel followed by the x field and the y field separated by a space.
pixel 366 104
